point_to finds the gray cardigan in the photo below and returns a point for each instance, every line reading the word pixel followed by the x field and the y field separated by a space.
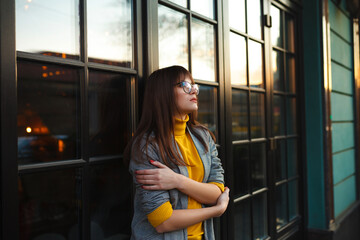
pixel 147 201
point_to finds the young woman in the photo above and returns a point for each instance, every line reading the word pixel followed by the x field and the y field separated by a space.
pixel 178 176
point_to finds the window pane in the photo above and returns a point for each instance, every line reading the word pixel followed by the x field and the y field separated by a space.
pixel 173 38
pixel 293 199
pixel 291 115
pixel 238 59
pixel 242 222
pixel 239 115
pixel 257 115
pixel 110 201
pixel 260 216
pixel 278 70
pixel 204 7
pixel 292 153
pixel 280 159
pixel 48 27
pixel 241 170
pixel 276 28
pixel 237 14
pixel 281 206
pixel 290 74
pixel 203 50
pixel 182 3
pixel 254 15
pixel 50 205
pixel 110 32
pixel 258 165
pixel 48 113
pixel 208 108
pixel 290 33
pixel 108 113
pixel 278 115
pixel 256 63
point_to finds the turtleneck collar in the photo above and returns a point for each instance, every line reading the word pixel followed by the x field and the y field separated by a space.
pixel 180 126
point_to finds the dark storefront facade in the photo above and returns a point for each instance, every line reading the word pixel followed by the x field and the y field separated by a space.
pixel 72 77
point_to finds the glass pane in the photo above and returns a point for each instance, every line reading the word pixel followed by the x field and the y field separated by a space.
pixel 204 7
pixel 242 221
pixel 238 59
pixel 108 113
pixel 291 115
pixel 257 115
pixel 292 152
pixel 290 74
pixel 237 14
pixel 48 113
pixel 256 63
pixel 110 201
pixel 241 170
pixel 278 70
pixel 258 165
pixel 254 15
pixel 276 28
pixel 281 206
pixel 278 115
pixel 182 3
pixel 280 159
pixel 239 115
pixel 293 199
pixel 50 205
pixel 260 216
pixel 173 38
pixel 110 32
pixel 48 27
pixel 203 50
pixel 208 108
pixel 290 33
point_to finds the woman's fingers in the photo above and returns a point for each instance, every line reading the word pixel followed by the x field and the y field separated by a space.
pixel 158 164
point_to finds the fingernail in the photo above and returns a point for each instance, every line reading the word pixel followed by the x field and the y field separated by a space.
pixel 152 161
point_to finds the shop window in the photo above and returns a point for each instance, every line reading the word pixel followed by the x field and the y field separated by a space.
pixel 208 113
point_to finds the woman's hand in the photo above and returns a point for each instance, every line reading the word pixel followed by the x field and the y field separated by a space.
pixel 223 202
pixel 162 178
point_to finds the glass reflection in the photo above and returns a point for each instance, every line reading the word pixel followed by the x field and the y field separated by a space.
pixel 108 113
pixel 291 115
pixel 257 115
pixel 238 60
pixel 258 165
pixel 278 70
pixel 110 32
pixel 254 16
pixel 278 115
pixel 203 50
pixel 276 28
pixel 260 216
pixel 293 199
pixel 239 115
pixel 182 3
pixel 48 27
pixel 290 74
pixel 204 7
pixel 281 206
pixel 237 14
pixel 242 221
pixel 290 33
pixel 48 113
pixel 241 170
pixel 292 152
pixel 256 76
pixel 173 38
pixel 109 203
pixel 208 108
pixel 280 159
pixel 50 205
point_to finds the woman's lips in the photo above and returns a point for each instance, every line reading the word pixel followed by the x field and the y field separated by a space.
pixel 193 100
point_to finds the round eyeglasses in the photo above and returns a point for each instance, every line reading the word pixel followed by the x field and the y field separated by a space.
pixel 189 88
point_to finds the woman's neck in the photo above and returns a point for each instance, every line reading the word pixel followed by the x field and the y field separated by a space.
pixel 180 116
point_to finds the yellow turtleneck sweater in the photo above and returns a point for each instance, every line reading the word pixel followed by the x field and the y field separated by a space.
pixel 196 172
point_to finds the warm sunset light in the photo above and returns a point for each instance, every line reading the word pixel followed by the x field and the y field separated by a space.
pixel 61 145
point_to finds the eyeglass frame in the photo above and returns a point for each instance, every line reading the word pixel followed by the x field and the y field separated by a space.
pixel 182 85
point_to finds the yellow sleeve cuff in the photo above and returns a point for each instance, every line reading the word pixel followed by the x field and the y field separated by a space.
pixel 220 185
pixel 161 214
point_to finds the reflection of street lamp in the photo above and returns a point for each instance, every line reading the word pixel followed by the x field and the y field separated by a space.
pixel 28 129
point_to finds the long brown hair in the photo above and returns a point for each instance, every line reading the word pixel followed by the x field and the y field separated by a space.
pixel 157 119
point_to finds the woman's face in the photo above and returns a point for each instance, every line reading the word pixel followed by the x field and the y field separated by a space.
pixel 186 103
